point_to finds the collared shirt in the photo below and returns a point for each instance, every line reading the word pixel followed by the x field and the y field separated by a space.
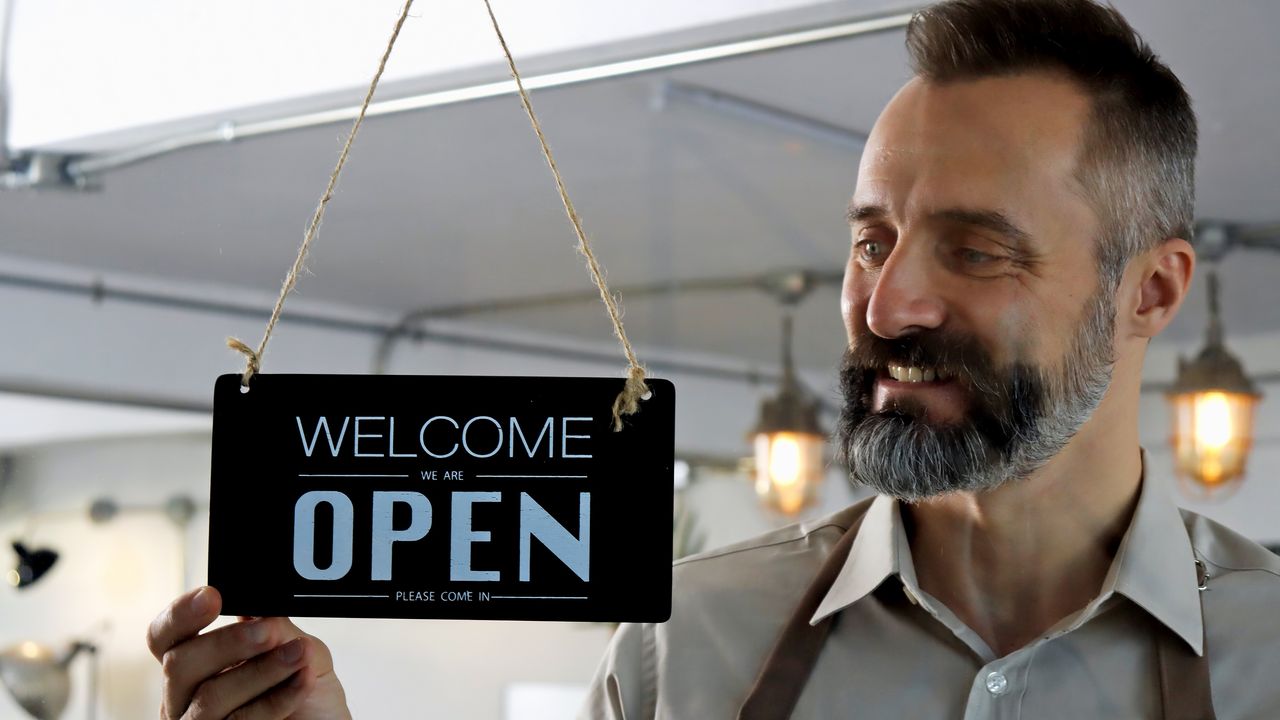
pixel 897 653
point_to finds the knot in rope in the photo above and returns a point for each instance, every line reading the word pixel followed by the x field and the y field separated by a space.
pixel 253 362
pixel 628 401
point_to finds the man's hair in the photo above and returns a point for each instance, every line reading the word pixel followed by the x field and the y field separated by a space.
pixel 1137 159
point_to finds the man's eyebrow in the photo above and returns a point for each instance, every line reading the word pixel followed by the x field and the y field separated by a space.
pixel 858 213
pixel 993 220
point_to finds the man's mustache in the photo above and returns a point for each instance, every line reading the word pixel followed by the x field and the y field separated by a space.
pixel 950 354
pixel 1006 399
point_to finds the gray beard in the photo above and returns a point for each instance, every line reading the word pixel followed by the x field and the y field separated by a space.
pixel 901 454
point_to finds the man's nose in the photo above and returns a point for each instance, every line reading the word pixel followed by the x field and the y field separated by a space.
pixel 905 299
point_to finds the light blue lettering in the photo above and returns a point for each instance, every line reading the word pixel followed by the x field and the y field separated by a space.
pixel 548 431
pixel 467 427
pixel 356 443
pixel 463 536
pixel 575 552
pixel 422 441
pixel 565 437
pixel 322 424
pixel 304 535
pixel 384 532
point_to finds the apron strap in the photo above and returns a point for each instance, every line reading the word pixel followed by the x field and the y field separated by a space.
pixel 1185 692
pixel 1184 676
pixel 1184 679
pixel 787 666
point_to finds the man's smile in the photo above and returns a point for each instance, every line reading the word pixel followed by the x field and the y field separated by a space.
pixel 943 399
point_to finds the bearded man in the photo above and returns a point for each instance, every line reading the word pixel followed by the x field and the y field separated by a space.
pixel 1020 231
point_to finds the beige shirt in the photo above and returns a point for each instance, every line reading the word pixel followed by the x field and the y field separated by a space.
pixel 897 653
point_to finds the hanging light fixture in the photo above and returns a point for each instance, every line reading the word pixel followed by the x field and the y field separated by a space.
pixel 39 679
pixel 789 442
pixel 32 565
pixel 1213 403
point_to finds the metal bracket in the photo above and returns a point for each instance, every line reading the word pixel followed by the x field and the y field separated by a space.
pixel 45 171
pixel 1215 238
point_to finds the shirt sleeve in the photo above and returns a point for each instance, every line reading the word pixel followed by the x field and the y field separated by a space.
pixel 625 683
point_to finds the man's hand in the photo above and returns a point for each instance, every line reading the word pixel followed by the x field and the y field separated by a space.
pixel 256 669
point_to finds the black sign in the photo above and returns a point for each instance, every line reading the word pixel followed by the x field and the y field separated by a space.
pixel 441 497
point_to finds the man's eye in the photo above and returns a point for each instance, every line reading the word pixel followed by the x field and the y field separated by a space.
pixel 976 257
pixel 872 251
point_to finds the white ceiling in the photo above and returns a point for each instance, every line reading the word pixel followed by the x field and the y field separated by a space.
pixel 454 204
pixel 141 62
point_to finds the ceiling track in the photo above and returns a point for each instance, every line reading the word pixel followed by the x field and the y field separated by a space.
pixel 51 169
pixel 98 291
pixel 788 287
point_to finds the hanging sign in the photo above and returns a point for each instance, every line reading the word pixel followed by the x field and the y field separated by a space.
pixel 440 497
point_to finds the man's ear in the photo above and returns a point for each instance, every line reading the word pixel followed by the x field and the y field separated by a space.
pixel 1163 277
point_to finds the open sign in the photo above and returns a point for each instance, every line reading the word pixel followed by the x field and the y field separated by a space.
pixel 440 497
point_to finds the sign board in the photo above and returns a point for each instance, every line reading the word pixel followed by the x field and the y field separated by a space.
pixel 441 497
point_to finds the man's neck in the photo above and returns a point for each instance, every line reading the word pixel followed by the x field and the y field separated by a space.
pixel 1013 562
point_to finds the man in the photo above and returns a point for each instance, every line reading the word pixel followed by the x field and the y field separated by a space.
pixel 1019 232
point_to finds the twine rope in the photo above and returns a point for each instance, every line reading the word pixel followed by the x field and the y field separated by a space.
pixel 635 389
pixel 253 358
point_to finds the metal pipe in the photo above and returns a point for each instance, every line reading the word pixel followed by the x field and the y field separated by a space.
pixel 227 131
pixel 785 284
pixel 100 292
pixel 763 113
pixel 83 394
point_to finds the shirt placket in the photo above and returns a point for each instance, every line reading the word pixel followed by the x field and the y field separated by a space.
pixel 997 688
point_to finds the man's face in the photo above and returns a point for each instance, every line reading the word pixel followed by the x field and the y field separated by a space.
pixel 979 339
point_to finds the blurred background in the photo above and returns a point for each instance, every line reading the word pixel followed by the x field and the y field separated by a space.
pixel 160 162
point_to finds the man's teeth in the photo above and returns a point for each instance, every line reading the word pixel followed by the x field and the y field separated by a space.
pixel 910 373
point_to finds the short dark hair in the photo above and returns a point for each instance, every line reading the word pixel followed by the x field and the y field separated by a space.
pixel 1137 164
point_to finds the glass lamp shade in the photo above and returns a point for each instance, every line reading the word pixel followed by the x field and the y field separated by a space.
pixel 37 679
pixel 1213 402
pixel 789 469
pixel 1212 434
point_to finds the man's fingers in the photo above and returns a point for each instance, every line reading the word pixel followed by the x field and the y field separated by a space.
pixel 242 670
pixel 281 702
pixel 267 687
pixel 193 662
pixel 183 619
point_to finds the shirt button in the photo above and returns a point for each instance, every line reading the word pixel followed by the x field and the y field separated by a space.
pixel 997 683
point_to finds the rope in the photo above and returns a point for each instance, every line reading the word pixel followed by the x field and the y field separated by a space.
pixel 635 389
pixel 253 358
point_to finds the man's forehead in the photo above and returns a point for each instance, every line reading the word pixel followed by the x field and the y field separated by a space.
pixel 974 142
pixel 1027 114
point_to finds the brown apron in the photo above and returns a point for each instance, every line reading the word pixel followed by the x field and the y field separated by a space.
pixel 1184 676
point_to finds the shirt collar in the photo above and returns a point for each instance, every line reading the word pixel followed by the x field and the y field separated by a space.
pixel 1154 566
pixel 873 557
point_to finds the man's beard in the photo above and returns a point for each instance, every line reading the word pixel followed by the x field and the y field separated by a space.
pixel 1018 417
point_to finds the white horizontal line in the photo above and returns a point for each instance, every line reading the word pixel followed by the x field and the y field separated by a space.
pixel 535 597
pixel 350 475
pixel 583 477
pixel 342 596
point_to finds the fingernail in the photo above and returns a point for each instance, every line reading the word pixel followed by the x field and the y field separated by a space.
pixel 202 601
pixel 291 652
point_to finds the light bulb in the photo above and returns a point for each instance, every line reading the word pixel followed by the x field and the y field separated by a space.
pixel 785 460
pixel 1213 420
